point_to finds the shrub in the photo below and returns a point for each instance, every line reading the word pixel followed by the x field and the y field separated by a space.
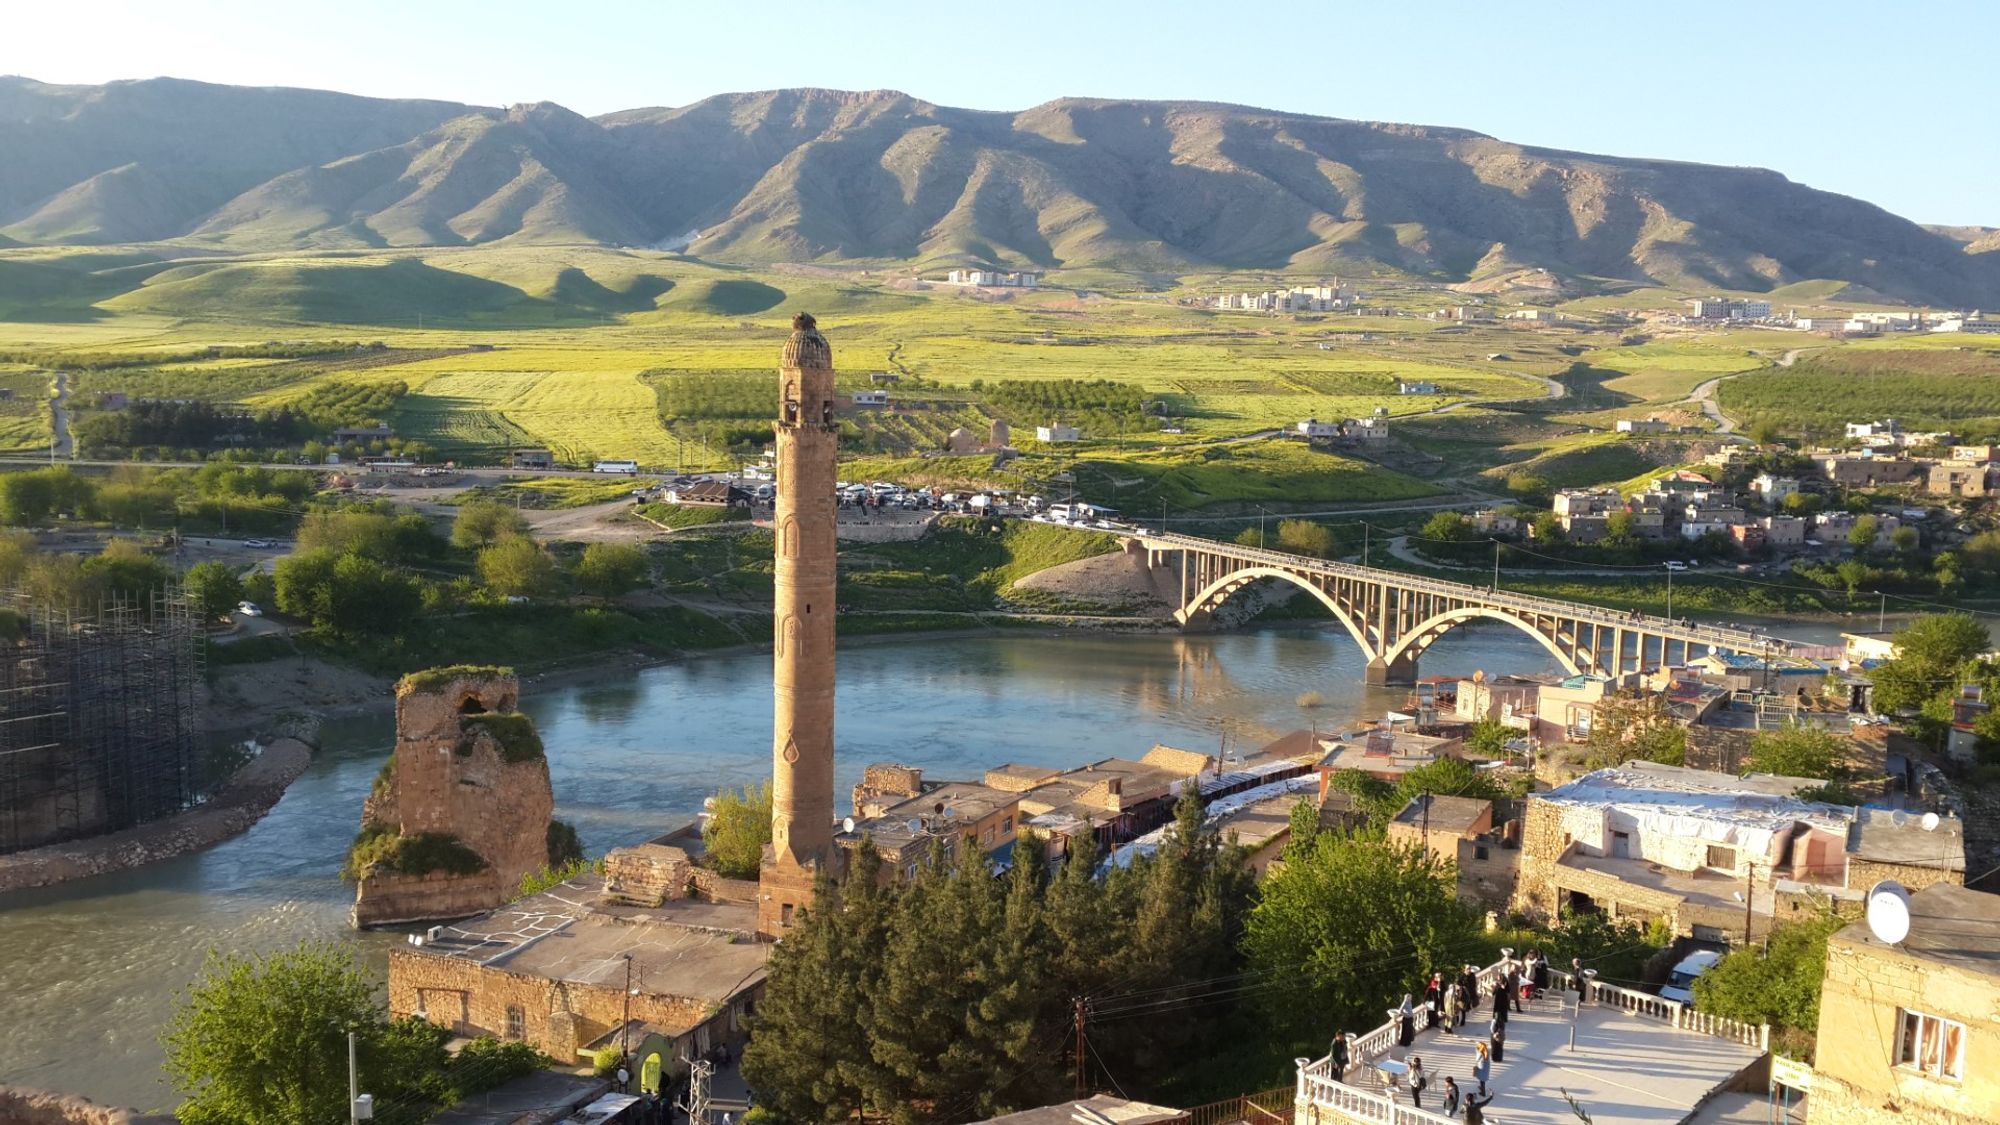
pixel 381 846
pixel 437 679
pixel 513 732
pixel 565 849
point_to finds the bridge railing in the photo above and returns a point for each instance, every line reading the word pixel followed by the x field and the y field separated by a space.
pixel 1736 640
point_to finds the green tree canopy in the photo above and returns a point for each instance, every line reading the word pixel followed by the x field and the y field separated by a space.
pixel 737 828
pixel 610 569
pixel 1779 986
pixel 482 523
pixel 1800 751
pixel 1351 924
pixel 1304 537
pixel 1934 654
pixel 517 567
pixel 212 587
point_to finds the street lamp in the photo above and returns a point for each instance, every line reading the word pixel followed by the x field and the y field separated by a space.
pixel 1261 513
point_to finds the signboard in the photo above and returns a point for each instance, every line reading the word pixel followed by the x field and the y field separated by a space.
pixel 1791 1073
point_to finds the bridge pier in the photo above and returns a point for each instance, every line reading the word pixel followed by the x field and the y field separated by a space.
pixel 1386 673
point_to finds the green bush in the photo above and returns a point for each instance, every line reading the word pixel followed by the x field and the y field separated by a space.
pixel 564 848
pixel 437 679
pixel 513 732
pixel 381 846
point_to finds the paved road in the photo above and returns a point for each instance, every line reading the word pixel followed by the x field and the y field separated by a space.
pixel 59 417
pixel 1704 397
pixel 1399 549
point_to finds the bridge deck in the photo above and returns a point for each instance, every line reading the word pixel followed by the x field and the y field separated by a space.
pixel 1732 640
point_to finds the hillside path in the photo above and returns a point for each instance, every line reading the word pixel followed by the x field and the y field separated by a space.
pixel 65 446
pixel 1704 397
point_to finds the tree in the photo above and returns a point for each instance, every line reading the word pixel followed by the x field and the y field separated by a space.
pixel 1799 751
pixel 1447 527
pixel 212 587
pixel 737 828
pixel 1305 537
pixel 17 550
pixel 1621 529
pixel 517 567
pixel 610 569
pixel 1547 527
pixel 1351 924
pixel 808 1055
pixel 482 523
pixel 1804 503
pixel 1529 488
pixel 1861 536
pixel 1905 539
pixel 1779 986
pixel 1488 738
pixel 1249 537
pixel 1932 658
pixel 264 1037
pixel 1627 727
pixel 125 571
pixel 345 594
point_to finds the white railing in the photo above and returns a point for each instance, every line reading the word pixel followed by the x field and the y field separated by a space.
pixel 1735 640
pixel 1365 1105
pixel 1318 1087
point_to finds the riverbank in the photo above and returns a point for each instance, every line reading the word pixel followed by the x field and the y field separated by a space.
pixel 242 802
pixel 20 1105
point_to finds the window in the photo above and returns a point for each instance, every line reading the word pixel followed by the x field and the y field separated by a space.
pixel 1721 858
pixel 1006 824
pixel 785 914
pixel 516 1022
pixel 1931 1045
pixel 1479 851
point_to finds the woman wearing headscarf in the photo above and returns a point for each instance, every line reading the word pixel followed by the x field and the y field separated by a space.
pixel 1451 1010
pixel 1406 1022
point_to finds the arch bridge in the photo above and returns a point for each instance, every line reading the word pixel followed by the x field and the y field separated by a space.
pixel 1394 616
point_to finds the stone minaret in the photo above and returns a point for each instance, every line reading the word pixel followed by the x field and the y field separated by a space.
pixel 802 645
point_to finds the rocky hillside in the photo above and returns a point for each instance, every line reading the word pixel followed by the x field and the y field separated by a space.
pixel 820 175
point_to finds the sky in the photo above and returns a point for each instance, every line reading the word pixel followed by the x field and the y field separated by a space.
pixel 1849 97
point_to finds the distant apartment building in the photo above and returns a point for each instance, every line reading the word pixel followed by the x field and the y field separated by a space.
pixel 991 278
pixel 875 400
pixel 1724 308
pixel 1299 298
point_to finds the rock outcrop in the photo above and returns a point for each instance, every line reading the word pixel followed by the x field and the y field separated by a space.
pixel 463 809
pixel 20 1105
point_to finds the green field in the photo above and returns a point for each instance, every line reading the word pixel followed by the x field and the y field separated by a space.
pixel 1954 388
pixel 599 353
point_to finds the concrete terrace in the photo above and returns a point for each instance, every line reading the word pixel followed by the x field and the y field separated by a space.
pixel 1625 1069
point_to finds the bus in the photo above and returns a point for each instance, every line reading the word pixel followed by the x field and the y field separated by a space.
pixel 629 468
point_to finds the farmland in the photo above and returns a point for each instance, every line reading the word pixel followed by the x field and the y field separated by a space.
pixel 1954 388
pixel 598 353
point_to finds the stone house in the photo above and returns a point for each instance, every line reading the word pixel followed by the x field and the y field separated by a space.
pixel 907 817
pixel 1960 478
pixel 1907 1031
pixel 1714 853
pixel 579 967
pixel 1435 823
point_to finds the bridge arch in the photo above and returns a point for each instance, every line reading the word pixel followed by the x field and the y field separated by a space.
pixel 1422 635
pixel 1219 590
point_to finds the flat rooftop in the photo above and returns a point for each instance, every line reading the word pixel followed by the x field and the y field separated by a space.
pixel 1704 887
pixel 1624 1070
pixel 1258 824
pixel 1878 837
pixel 533 1099
pixel 686 947
pixel 1443 813
pixel 1754 800
pixel 1949 925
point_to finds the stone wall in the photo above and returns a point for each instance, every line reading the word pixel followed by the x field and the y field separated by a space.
pixel 20 1105
pixel 1542 844
pixel 1489 882
pixel 883 784
pixel 1863 874
pixel 1721 749
pixel 1856 1080
pixel 486 786
pixel 647 875
pixel 719 888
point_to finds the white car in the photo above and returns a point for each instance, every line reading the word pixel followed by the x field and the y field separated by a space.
pixel 259 543
pixel 1676 564
pixel 1680 986
pixel 249 609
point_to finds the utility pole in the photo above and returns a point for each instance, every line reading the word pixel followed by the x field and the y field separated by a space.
pixel 1261 513
pixel 1365 529
pixel 1080 1010
pixel 1882 615
pixel 625 1029
pixel 696 1104
pixel 1496 566
pixel 1670 595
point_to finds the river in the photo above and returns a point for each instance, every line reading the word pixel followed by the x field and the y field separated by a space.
pixel 88 971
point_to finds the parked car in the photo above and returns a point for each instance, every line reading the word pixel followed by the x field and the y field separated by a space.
pixel 1676 564
pixel 249 609
pixel 261 544
pixel 1680 985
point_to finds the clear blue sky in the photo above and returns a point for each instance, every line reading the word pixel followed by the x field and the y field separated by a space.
pixel 1851 97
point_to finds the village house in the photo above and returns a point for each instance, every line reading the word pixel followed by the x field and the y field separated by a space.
pixel 1783 533
pixel 1864 471
pixel 530 459
pixel 1384 753
pixel 1960 478
pixel 1435 823
pixel 1643 426
pixel 1715 854
pixel 1774 489
pixel 1312 429
pixel 1508 699
pixel 1488 521
pixel 909 818
pixel 1907 1029
pixel 1416 388
pixel 1977 454
pixel 1366 431
pixel 1057 432
pixel 871 400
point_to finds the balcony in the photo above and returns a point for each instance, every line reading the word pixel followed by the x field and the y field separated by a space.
pixel 1626 1057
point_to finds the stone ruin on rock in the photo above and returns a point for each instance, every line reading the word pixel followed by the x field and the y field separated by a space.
pixel 463 809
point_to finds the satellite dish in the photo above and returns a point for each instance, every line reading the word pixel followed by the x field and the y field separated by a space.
pixel 1930 822
pixel 847 825
pixel 1889 912
pixel 916 827
pixel 952 814
pixel 1899 818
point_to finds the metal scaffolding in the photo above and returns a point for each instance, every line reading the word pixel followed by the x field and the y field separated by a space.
pixel 99 716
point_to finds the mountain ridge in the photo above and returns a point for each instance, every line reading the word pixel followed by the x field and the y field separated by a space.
pixel 820 175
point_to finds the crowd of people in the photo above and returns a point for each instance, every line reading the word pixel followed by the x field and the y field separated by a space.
pixel 1450 1001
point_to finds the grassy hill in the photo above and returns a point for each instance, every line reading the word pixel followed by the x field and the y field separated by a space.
pixel 833 176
